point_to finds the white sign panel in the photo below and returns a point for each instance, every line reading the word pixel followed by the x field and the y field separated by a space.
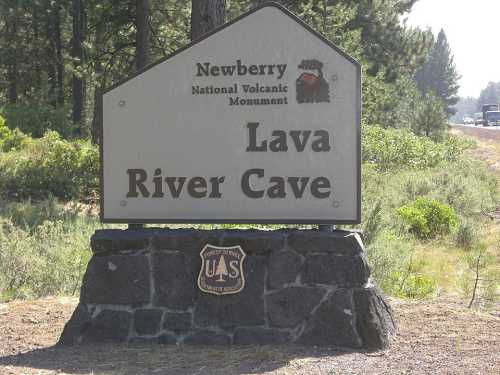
pixel 257 122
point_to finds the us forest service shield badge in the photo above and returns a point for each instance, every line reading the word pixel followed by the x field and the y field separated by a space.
pixel 221 270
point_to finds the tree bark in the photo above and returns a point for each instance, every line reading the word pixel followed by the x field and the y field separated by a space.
pixel 77 54
pixel 142 39
pixel 37 81
pixel 205 16
pixel 50 59
pixel 99 87
pixel 59 56
pixel 12 75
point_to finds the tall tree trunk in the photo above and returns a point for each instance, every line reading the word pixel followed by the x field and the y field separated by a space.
pixel 78 90
pixel 99 86
pixel 205 16
pixel 59 56
pixel 51 63
pixel 12 75
pixel 37 81
pixel 142 38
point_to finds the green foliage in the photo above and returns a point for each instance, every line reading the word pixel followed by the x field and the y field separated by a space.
pixel 371 225
pixel 50 166
pixel 10 139
pixel 479 283
pixel 389 149
pixel 417 286
pixel 489 95
pixel 427 218
pixel 431 118
pixel 466 235
pixel 45 257
pixel 5 132
pixel 36 119
pixel 439 75
pixel 394 269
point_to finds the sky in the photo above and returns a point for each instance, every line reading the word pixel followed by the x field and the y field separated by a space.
pixel 473 32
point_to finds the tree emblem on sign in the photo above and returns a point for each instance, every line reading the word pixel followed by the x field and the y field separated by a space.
pixel 221 270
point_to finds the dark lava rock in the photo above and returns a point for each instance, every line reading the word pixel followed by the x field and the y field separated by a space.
pixel 255 242
pixel 167 339
pixel 185 240
pixel 177 322
pixel 344 271
pixel 338 242
pixel 116 280
pixel 283 268
pixel 332 324
pixel 117 240
pixel 375 322
pixel 175 276
pixel 108 326
pixel 290 306
pixel 243 309
pixel 76 326
pixel 205 337
pixel 147 321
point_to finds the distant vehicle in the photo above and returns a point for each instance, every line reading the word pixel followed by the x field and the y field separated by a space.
pixel 478 118
pixel 489 108
pixel 493 118
pixel 468 120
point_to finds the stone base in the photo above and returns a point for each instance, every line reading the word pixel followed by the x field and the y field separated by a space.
pixel 302 286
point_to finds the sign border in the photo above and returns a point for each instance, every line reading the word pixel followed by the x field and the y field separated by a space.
pixel 357 220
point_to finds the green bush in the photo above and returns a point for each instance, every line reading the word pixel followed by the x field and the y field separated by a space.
pixel 431 118
pixel 44 248
pixel 427 218
pixel 36 119
pixel 466 236
pixel 388 254
pixel 11 139
pixel 417 286
pixel 393 149
pixel 50 166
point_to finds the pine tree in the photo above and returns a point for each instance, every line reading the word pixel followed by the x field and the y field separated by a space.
pixel 431 119
pixel 490 95
pixel 439 75
pixel 205 16
pixel 221 268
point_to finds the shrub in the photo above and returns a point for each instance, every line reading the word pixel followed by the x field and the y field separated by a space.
pixel 387 255
pixel 466 235
pixel 36 119
pixel 50 166
pixel 427 218
pixel 431 118
pixel 417 286
pixel 393 149
pixel 42 257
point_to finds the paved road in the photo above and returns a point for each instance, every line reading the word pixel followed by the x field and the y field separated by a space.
pixel 478 126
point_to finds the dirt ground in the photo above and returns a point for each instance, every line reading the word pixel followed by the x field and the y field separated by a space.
pixel 434 337
pixel 488 142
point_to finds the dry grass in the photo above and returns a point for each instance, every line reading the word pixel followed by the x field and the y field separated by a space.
pixel 488 142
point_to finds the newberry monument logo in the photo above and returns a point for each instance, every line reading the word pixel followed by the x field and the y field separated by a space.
pixel 246 125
